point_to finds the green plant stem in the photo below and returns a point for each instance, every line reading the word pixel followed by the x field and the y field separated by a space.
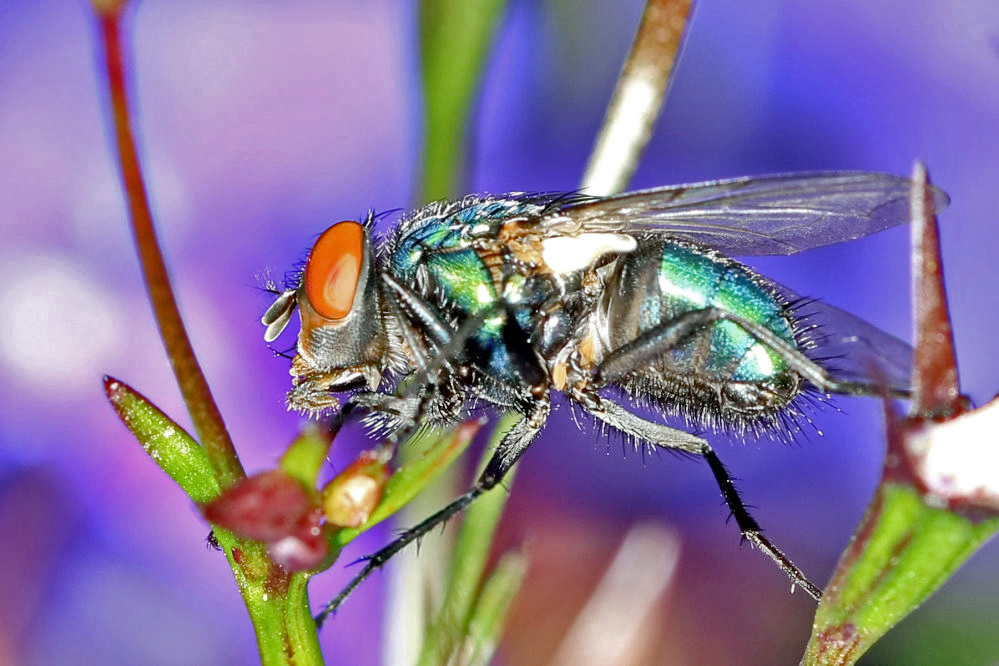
pixel 197 396
pixel 278 604
pixel 485 623
pixel 904 552
pixel 468 562
pixel 455 41
pixel 276 600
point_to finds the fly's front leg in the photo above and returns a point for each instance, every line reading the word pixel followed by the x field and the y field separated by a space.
pixel 311 388
pixel 402 411
pixel 508 451
pixel 663 436
pixel 312 397
pixel 650 346
pixel 434 346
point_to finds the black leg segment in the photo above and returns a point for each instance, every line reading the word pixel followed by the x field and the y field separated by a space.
pixel 664 436
pixel 751 530
pixel 509 450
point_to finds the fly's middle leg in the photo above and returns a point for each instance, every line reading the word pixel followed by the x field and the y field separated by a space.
pixel 663 436
pixel 508 451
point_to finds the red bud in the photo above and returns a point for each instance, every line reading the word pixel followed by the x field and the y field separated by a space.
pixel 305 548
pixel 264 507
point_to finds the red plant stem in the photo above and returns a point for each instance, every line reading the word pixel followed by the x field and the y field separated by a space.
pixel 193 386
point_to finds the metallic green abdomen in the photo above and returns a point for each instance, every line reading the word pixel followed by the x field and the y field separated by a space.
pixel 664 279
pixel 689 280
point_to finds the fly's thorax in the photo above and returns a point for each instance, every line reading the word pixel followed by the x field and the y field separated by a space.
pixel 481 258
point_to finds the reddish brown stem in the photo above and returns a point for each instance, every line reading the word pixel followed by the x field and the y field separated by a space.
pixel 193 386
pixel 936 389
pixel 637 98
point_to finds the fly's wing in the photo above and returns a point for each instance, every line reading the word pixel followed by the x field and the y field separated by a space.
pixel 781 214
pixel 855 350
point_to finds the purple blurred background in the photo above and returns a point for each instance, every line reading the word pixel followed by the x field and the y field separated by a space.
pixel 263 122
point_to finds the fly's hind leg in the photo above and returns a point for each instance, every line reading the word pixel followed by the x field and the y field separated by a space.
pixel 508 451
pixel 663 436
pixel 650 345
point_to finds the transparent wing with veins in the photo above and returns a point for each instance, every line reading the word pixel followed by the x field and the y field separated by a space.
pixel 854 350
pixel 769 215
pixel 775 215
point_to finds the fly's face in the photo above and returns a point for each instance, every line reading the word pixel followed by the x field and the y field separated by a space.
pixel 342 342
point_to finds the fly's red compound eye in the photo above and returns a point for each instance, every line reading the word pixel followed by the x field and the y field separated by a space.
pixel 334 268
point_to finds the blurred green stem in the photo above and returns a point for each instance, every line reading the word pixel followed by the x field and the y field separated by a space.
pixel 468 563
pixel 456 36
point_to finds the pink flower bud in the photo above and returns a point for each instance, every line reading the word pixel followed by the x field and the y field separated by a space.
pixel 264 507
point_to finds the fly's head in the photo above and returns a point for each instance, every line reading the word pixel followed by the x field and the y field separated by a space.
pixel 342 344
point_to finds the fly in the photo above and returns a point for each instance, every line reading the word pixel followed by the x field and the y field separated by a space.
pixel 504 300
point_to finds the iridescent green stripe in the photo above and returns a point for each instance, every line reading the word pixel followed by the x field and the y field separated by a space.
pixel 691 280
